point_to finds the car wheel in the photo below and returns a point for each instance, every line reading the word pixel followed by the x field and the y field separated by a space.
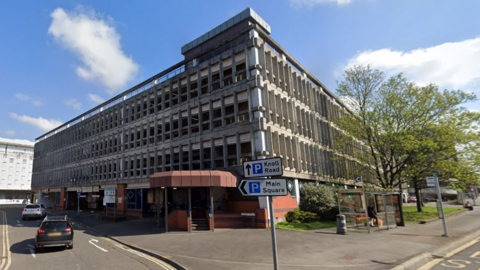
pixel 37 250
pixel 71 246
pixel 23 218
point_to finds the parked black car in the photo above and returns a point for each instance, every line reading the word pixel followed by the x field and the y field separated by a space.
pixel 54 231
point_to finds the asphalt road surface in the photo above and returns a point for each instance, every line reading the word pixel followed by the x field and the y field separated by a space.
pixel 90 251
pixel 463 257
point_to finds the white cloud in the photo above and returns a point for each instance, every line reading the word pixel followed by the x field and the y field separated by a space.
pixel 97 45
pixel 9 132
pixel 453 65
pixel 311 3
pixel 96 98
pixel 73 103
pixel 35 101
pixel 40 122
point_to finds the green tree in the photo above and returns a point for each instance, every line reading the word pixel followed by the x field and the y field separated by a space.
pixel 404 131
pixel 320 199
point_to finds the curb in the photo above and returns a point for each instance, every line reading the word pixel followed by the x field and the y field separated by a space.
pixel 150 253
pixel 423 258
pixel 447 215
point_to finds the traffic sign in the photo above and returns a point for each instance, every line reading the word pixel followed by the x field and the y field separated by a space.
pixel 263 167
pixel 263 187
pixel 431 181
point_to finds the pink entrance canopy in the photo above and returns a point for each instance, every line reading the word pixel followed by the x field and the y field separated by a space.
pixel 193 179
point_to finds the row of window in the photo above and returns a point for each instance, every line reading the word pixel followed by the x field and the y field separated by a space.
pixel 140 106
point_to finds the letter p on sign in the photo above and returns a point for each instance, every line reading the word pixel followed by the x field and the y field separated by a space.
pixel 254 187
pixel 257 168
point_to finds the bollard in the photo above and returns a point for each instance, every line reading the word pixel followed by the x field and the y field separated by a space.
pixel 341 225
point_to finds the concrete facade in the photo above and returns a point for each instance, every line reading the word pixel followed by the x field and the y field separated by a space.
pixel 16 163
pixel 237 96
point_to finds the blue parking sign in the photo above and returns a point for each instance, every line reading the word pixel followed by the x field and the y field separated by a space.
pixel 258 168
pixel 254 187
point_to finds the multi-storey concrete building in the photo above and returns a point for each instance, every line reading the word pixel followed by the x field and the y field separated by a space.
pixel 237 96
pixel 15 171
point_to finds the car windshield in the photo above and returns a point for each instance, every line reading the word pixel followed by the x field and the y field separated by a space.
pixel 56 225
pixel 33 206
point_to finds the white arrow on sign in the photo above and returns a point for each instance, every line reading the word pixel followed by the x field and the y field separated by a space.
pixel 95 240
pixel 263 187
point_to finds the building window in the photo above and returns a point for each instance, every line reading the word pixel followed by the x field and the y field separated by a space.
pixel 135 199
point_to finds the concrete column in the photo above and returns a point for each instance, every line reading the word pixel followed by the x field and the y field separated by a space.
pixel 209 78
pixel 234 68
pixel 200 118
pixel 220 72
pixel 202 156
pixel 235 107
pixel 189 120
pixel 225 153
pixel 211 113
pixel 172 157
pixel 223 110
pixel 155 102
pixel 180 157
pixel 212 153
pixel 155 130
pixel 188 85
pixel 163 129
pixel 190 155
pixel 164 161
pixel 163 97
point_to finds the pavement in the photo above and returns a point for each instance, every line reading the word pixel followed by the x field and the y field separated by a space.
pixel 398 248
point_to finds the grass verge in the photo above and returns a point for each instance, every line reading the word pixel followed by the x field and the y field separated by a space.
pixel 409 213
pixel 306 226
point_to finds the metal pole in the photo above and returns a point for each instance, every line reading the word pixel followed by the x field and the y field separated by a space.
pixel 274 237
pixel 212 209
pixel 166 210
pixel 440 206
pixel 78 204
pixel 115 205
pixel 190 208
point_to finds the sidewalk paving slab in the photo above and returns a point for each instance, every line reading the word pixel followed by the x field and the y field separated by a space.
pixel 245 248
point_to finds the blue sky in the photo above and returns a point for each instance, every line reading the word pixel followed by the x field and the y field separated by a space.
pixel 59 59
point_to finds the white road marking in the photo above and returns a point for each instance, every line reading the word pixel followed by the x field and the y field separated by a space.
pixel 18 221
pixel 95 240
pixel 5 243
pixel 31 248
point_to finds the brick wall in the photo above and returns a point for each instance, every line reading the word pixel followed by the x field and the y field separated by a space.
pixel 178 220
pixel 243 206
pixel 282 205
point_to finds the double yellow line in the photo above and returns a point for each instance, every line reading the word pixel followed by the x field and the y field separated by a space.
pixel 6 254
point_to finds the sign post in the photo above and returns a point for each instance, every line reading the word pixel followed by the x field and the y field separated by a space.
pixel 265 187
pixel 440 206
pixel 433 182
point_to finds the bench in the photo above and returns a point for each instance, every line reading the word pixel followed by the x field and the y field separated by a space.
pixel 361 219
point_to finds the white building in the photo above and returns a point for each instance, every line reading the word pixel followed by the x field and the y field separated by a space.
pixel 16 161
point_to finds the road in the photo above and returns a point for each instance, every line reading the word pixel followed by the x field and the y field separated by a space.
pixel 464 257
pixel 90 251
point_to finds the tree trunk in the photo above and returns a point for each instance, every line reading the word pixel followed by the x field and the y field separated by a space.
pixel 417 194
